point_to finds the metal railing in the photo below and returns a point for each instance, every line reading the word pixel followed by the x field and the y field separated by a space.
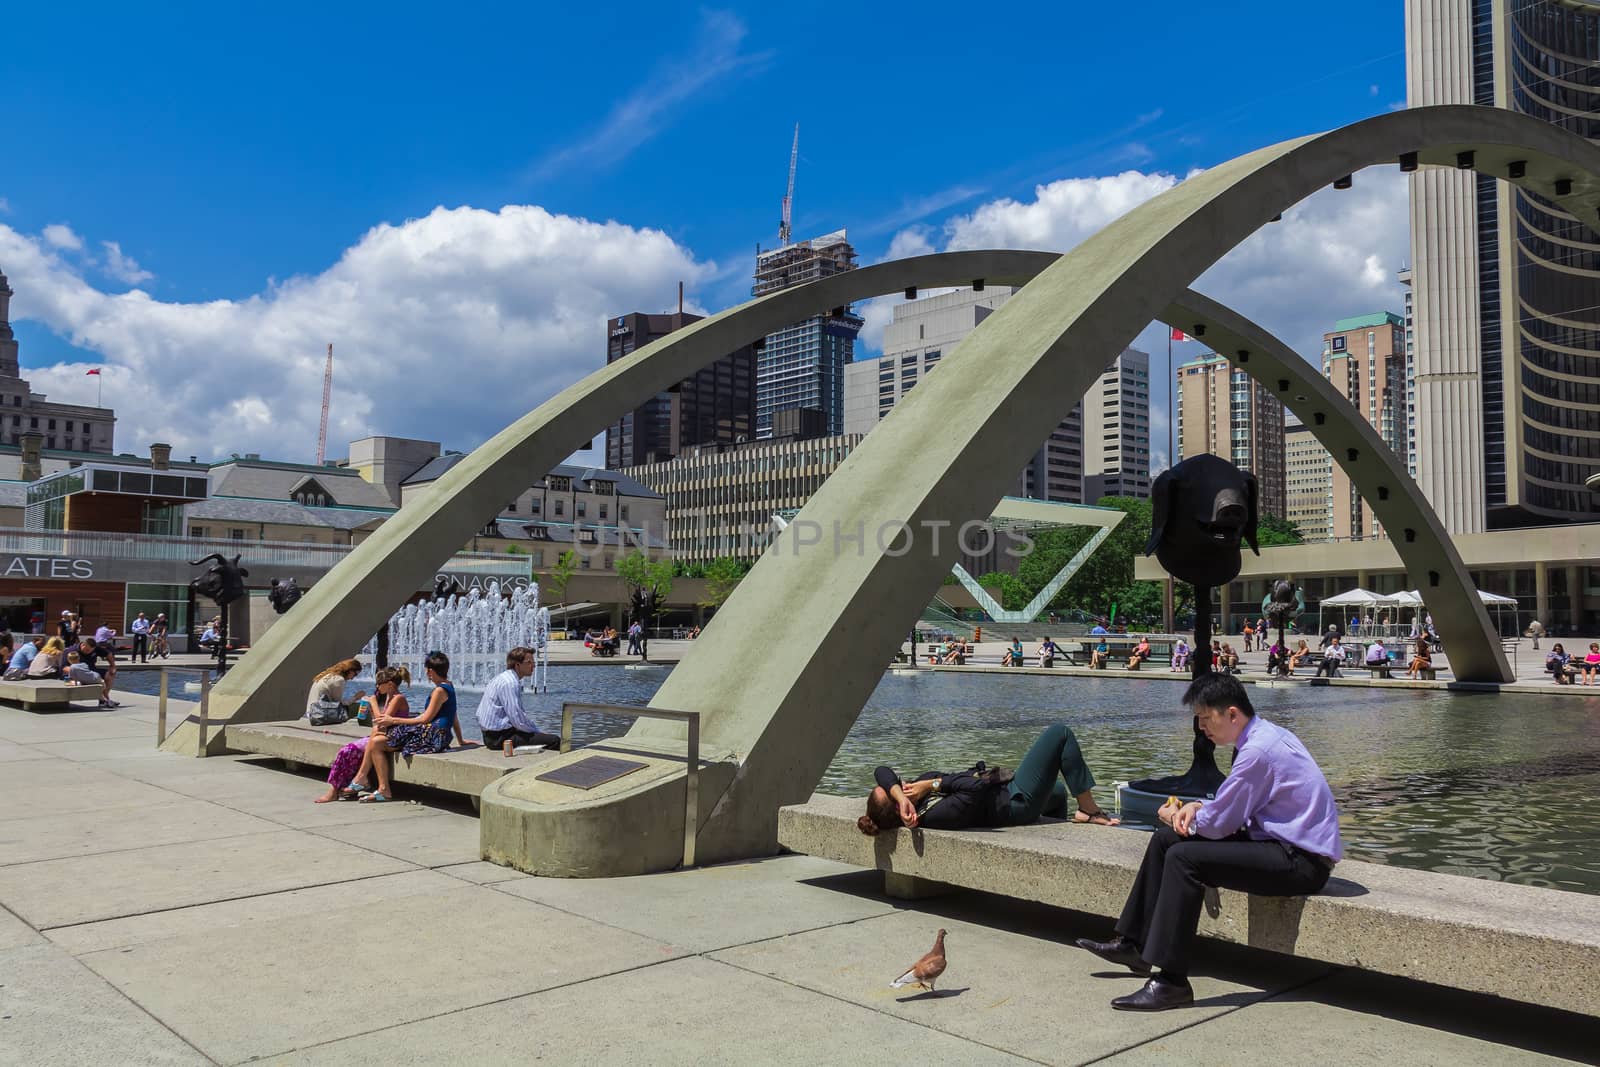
pixel 205 706
pixel 691 799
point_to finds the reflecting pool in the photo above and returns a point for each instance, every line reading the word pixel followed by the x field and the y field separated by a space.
pixel 1498 787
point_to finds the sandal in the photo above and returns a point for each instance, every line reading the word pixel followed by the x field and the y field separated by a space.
pixel 1097 817
pixel 374 798
pixel 353 791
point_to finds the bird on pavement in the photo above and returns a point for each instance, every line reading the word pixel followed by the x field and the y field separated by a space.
pixel 927 970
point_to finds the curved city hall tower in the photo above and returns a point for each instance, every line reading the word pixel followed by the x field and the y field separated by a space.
pixel 1506 285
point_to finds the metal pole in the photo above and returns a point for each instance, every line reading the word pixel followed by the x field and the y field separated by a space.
pixel 691 799
pixel 566 728
pixel 205 711
pixel 161 711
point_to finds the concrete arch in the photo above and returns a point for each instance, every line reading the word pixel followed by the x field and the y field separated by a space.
pixel 955 441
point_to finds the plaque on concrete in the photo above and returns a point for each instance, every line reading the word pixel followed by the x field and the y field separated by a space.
pixel 592 771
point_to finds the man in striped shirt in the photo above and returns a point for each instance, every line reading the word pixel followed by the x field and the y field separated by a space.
pixel 501 716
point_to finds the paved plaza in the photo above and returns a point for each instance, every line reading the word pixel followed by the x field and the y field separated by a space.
pixel 158 909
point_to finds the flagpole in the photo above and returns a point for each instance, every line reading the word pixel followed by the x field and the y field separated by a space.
pixel 100 385
pixel 1172 390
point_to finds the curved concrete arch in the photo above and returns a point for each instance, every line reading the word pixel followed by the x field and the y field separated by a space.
pixel 779 710
pixel 957 438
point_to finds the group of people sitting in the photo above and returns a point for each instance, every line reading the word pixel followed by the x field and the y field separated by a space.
pixel 363 769
pixel 607 642
pixel 956 651
pixel 1272 829
pixel 1566 668
pixel 90 660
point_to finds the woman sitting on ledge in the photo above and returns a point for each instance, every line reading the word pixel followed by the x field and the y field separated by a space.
pixel 427 733
pixel 386 699
pixel 939 801
pixel 49 661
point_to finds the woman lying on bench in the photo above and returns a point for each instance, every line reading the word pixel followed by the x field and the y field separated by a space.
pixel 989 797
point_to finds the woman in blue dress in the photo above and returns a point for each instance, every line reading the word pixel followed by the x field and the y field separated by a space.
pixel 426 733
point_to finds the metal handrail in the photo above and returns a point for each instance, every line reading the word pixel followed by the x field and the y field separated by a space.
pixel 205 706
pixel 691 799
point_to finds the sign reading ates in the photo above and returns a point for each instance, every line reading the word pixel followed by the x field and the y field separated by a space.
pixel 48 567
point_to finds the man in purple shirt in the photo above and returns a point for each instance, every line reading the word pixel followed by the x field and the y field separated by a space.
pixel 1273 830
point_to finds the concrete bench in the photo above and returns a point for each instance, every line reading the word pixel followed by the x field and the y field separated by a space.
pixel 457 770
pixel 34 694
pixel 1514 941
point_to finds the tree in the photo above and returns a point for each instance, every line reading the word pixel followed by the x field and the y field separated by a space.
pixel 641 572
pixel 1013 593
pixel 1272 530
pixel 560 575
pixel 722 575
pixel 516 550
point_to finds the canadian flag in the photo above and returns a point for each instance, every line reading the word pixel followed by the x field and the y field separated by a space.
pixel 1179 335
pixel 89 372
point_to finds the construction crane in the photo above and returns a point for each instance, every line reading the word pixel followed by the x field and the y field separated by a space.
pixel 327 397
pixel 788 197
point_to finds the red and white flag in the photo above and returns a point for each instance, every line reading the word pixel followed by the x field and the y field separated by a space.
pixel 89 372
pixel 1179 335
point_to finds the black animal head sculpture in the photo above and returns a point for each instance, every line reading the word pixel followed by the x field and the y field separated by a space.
pixel 1202 509
pixel 223 583
pixel 444 585
pixel 643 601
pixel 284 594
pixel 1284 603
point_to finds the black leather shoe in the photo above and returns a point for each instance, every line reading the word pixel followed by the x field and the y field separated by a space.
pixel 1117 951
pixel 1157 995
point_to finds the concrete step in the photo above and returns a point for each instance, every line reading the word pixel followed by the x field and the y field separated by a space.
pixel 1519 942
pixel 458 770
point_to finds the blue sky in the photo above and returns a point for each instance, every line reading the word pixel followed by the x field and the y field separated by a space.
pixel 232 162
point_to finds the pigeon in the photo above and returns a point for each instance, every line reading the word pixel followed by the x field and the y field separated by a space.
pixel 927 970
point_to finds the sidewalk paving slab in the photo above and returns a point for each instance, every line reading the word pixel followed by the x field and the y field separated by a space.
pixel 1355 1017
pixel 85 833
pixel 482 872
pixel 90 888
pixel 267 988
pixel 689 1011
pixel 11 752
pixel 59 787
pixel 42 727
pixel 712 907
pixel 226 914
pixel 14 933
pixel 428 838
pixel 54 1011
pixel 1015 991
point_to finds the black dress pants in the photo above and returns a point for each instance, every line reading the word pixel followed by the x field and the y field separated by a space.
pixel 1163 909
pixel 519 738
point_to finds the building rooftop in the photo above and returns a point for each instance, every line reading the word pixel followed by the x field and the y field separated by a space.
pixel 1365 322
pixel 581 476
pixel 266 480
pixel 284 513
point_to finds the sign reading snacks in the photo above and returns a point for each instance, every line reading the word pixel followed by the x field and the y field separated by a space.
pixel 592 771
pixel 47 567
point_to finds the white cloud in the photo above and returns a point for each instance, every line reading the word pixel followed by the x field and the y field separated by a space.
pixel 1333 255
pixel 446 327
pixel 58 235
pixel 123 267
pixel 910 242
pixel 5 206
pixel 636 118
pixel 1060 215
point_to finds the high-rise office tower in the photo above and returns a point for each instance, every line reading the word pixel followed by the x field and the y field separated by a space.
pixel 715 405
pixel 1224 411
pixel 1102 446
pixel 1364 359
pixel 802 366
pixel 1307 469
pixel 1506 285
pixel 1116 430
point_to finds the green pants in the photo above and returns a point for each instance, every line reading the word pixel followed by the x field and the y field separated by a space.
pixel 1038 787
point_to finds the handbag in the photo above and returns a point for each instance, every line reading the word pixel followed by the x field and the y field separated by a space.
pixel 328 712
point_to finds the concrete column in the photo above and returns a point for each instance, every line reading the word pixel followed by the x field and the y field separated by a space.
pixel 1169 598
pixel 1225 599
pixel 1541 592
pixel 1362 578
pixel 1574 598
